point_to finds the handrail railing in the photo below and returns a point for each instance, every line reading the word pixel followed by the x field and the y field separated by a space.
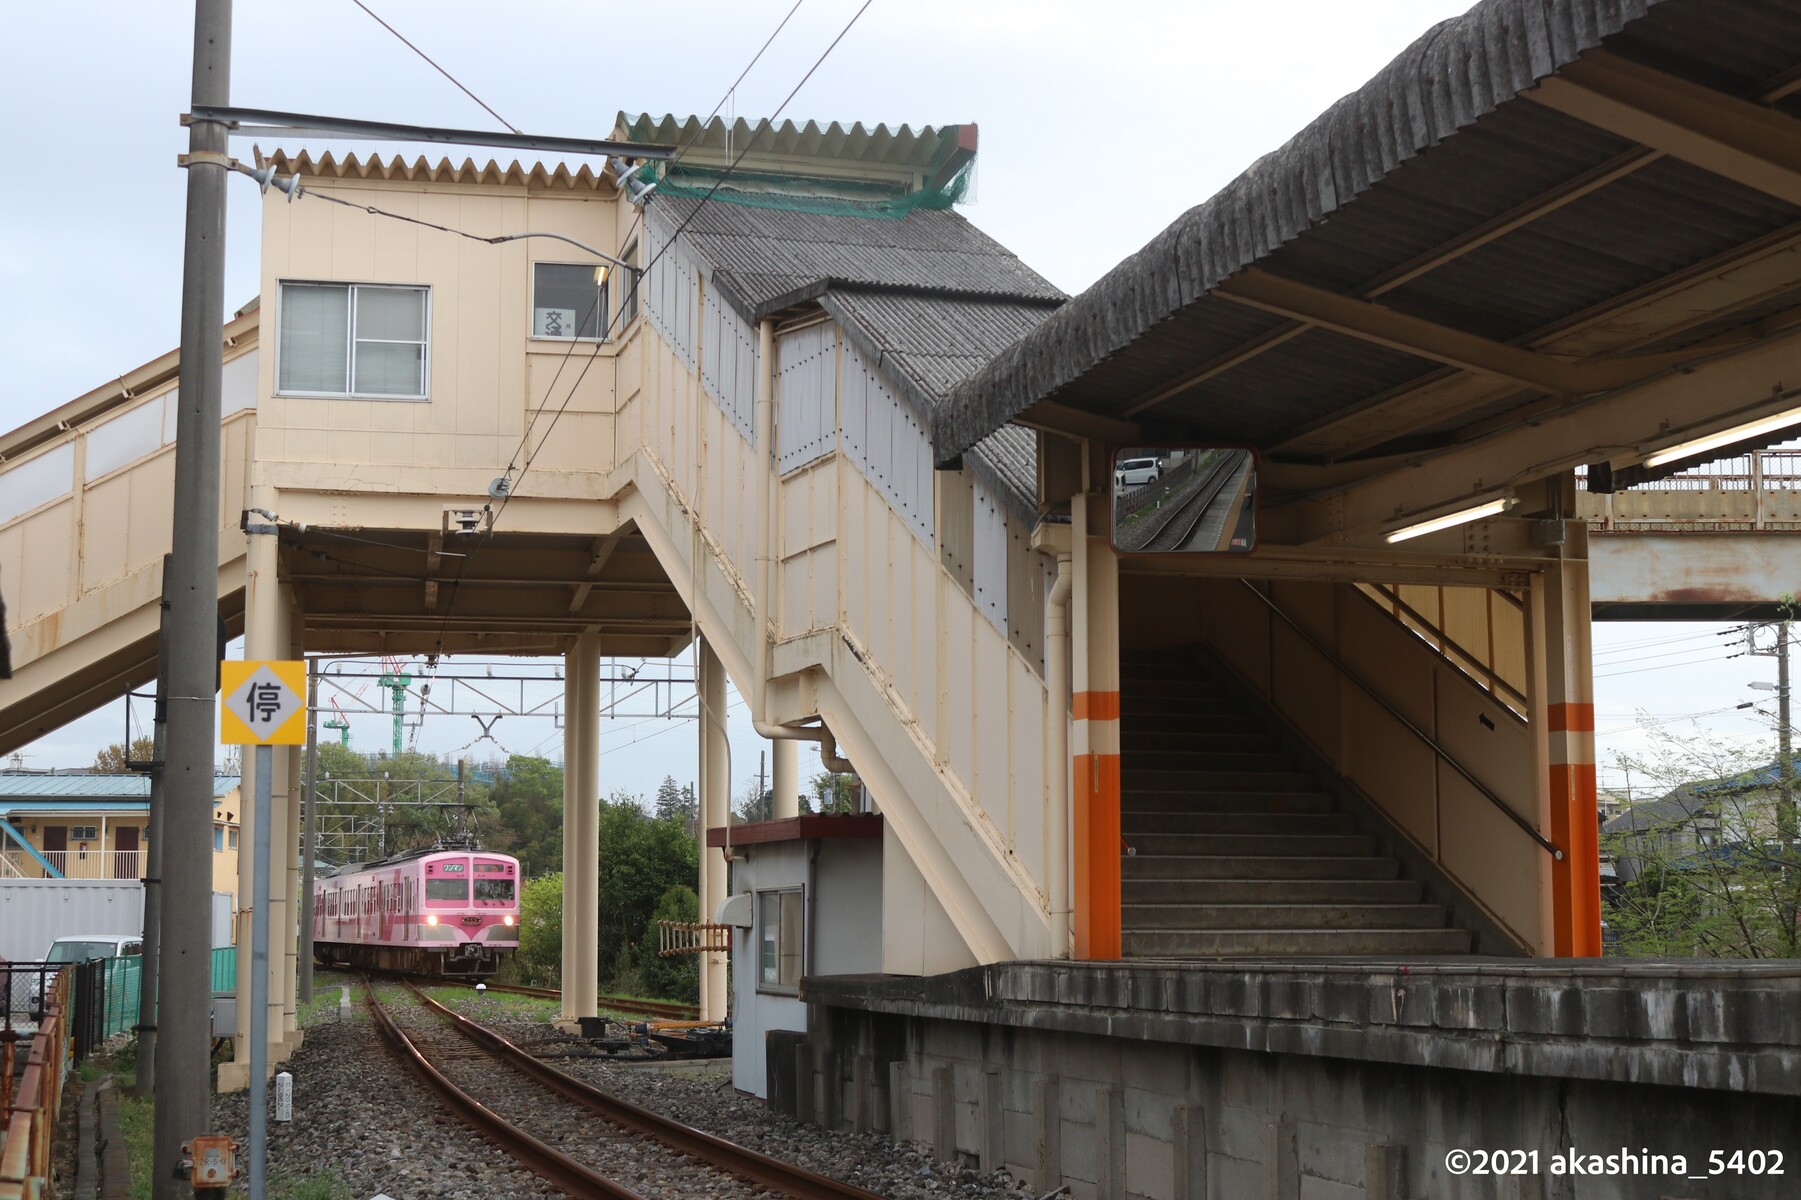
pixel 1449 646
pixel 1506 809
pixel 28 1117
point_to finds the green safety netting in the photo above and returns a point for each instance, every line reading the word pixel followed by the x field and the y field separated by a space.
pixel 796 193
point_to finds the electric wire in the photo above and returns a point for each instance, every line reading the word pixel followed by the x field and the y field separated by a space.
pixel 440 70
pixel 1667 666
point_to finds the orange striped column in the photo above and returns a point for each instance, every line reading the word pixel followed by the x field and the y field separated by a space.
pixel 1569 722
pixel 1094 736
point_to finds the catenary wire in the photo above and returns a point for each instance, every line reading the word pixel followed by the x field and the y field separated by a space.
pixel 440 70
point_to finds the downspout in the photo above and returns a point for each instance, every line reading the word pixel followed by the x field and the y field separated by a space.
pixel 1057 768
pixel 759 682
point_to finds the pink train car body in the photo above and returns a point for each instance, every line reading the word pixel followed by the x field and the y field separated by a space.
pixel 441 912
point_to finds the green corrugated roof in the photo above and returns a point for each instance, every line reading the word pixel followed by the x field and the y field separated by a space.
pixel 24 785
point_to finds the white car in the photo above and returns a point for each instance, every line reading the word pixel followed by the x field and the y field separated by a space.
pixel 1136 472
pixel 80 948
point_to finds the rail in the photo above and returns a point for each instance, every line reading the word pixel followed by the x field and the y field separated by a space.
pixel 1482 789
pixel 566 1172
pixel 29 1103
pixel 626 1004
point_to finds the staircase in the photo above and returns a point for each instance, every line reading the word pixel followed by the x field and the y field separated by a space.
pixel 1235 851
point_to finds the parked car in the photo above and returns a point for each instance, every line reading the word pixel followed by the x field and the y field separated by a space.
pixel 80 948
pixel 1136 472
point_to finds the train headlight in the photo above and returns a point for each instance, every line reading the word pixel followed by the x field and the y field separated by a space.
pixel 507 920
pixel 431 919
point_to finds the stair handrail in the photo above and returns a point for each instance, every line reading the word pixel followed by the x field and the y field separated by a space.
pixel 1506 809
pixel 1470 664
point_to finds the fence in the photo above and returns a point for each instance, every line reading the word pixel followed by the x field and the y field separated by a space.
pixel 29 1103
pixel 115 1010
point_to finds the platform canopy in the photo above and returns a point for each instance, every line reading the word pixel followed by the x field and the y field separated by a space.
pixel 1550 233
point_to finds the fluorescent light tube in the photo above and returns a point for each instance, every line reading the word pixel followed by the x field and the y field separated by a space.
pixel 1726 437
pixel 1461 516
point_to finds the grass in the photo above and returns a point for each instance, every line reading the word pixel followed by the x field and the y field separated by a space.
pixel 488 1005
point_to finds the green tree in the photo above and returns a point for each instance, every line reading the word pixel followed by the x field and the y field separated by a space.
pixel 833 793
pixel 641 858
pixel 676 977
pixel 529 803
pixel 676 800
pixel 539 959
pixel 111 759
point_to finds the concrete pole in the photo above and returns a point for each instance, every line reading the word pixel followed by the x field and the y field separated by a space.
pixel 784 780
pixel 571 831
pixel 585 716
pixel 183 1100
pixel 310 838
pixel 715 805
pixel 262 995
pixel 145 1080
pixel 1785 763
pixel 1566 712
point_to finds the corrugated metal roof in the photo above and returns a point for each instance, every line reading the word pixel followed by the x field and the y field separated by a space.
pixel 1434 146
pixel 421 169
pixel 124 787
pixel 929 298
pixel 855 143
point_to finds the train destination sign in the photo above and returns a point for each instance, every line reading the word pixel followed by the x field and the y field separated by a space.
pixel 262 703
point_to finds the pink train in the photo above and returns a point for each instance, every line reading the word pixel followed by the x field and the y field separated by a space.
pixel 440 912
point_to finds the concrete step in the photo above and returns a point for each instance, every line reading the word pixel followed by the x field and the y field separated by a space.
pixel 1272 891
pixel 1257 845
pixel 1133 706
pixel 1225 721
pixel 1154 747
pixel 1226 943
pixel 1333 868
pixel 1205 760
pixel 1134 779
pixel 1149 802
pixel 1135 823
pixel 1189 685
pixel 1143 917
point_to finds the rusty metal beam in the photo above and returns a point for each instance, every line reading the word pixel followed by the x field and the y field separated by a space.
pixel 1052 417
pixel 1688 571
pixel 1734 138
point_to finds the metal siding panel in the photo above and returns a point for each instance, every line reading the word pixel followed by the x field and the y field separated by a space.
pixel 956 736
pixel 990 567
pixel 1025 741
pixel 991 785
pixel 822 604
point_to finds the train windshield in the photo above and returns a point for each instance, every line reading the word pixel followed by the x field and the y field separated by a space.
pixel 494 889
pixel 447 889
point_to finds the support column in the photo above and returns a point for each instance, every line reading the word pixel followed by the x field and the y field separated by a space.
pixel 1565 710
pixel 715 807
pixel 266 636
pixel 571 828
pixel 784 780
pixel 584 977
pixel 1094 733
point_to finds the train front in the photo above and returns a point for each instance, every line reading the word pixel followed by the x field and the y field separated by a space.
pixel 471 909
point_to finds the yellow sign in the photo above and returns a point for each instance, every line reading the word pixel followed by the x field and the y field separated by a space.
pixel 262 703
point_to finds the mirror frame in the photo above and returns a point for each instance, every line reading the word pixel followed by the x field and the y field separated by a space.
pixel 1113 453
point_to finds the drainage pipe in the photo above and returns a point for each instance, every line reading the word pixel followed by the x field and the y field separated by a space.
pixel 1057 764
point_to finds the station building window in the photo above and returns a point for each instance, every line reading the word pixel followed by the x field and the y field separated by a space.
pixel 353 340
pixel 781 941
pixel 628 287
pixel 569 301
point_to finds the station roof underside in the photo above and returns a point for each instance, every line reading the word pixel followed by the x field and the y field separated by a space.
pixel 1536 205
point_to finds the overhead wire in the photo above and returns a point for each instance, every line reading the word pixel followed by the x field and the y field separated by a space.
pixel 440 70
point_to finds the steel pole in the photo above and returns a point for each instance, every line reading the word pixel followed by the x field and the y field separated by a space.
pixel 1785 763
pixel 259 974
pixel 310 834
pixel 145 1079
pixel 183 1047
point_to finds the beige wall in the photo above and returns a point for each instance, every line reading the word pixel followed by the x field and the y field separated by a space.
pixel 95 863
pixel 486 375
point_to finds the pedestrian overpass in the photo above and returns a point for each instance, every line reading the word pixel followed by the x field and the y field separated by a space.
pixel 858 452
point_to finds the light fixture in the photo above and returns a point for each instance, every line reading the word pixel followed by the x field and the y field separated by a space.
pixel 1726 437
pixel 600 275
pixel 1487 508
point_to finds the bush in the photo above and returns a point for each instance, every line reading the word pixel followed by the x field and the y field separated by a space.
pixel 540 953
pixel 676 978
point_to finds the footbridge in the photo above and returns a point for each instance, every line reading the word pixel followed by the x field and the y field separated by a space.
pixel 1173 859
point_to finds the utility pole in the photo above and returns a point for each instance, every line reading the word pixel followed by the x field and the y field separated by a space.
pixel 145 1082
pixel 184 1042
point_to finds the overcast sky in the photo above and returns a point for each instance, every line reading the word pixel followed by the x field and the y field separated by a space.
pixel 1099 125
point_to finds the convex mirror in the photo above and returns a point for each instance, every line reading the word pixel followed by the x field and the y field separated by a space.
pixel 1184 500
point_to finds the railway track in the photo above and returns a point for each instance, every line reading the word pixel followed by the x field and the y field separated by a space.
pixel 630 1154
pixel 1176 529
pixel 625 1004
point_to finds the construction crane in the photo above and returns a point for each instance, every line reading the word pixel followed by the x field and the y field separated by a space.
pixel 396 681
pixel 338 723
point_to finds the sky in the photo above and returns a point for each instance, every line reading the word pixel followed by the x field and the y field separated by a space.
pixel 1100 124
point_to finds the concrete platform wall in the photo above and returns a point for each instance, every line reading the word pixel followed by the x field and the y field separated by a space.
pixel 1119 1118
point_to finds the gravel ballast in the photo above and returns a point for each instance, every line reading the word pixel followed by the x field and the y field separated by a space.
pixel 363 1116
